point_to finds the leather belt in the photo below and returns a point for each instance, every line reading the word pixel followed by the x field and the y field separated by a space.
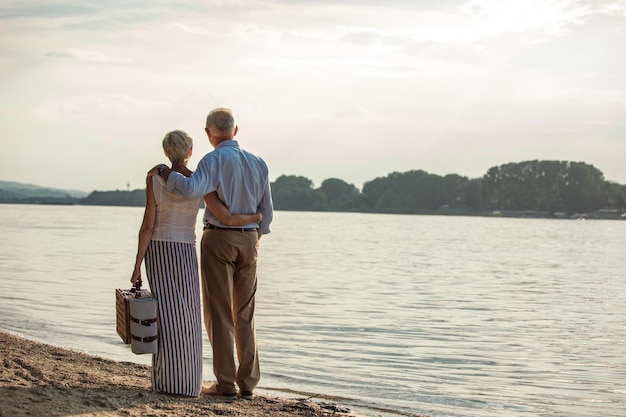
pixel 237 229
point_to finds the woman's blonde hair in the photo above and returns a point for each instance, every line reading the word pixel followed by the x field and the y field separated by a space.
pixel 177 144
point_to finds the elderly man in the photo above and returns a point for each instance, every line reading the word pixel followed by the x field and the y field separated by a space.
pixel 229 255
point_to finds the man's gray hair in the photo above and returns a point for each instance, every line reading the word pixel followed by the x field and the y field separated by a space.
pixel 221 119
pixel 177 145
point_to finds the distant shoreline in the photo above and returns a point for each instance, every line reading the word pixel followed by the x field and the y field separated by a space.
pixel 528 189
pixel 606 214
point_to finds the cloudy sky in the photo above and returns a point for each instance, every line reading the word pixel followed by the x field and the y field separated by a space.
pixel 324 89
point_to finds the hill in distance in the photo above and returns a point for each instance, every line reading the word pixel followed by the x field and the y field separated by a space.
pixel 16 190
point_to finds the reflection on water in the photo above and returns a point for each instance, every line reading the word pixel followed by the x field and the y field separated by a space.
pixel 445 316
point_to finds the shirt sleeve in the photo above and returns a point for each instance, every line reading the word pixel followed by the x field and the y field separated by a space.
pixel 201 182
pixel 266 208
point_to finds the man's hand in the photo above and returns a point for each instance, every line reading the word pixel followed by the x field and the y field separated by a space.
pixel 161 169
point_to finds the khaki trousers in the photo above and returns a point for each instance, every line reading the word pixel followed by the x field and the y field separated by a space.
pixel 229 283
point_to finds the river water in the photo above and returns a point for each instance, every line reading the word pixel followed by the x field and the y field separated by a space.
pixel 386 314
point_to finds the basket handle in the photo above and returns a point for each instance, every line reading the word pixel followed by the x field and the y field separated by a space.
pixel 136 289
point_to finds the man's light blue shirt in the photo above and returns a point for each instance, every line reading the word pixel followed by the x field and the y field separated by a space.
pixel 240 178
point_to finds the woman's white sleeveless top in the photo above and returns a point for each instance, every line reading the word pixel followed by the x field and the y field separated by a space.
pixel 175 215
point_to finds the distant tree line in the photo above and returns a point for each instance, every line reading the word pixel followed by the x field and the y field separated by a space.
pixel 532 188
pixel 116 198
pixel 95 198
pixel 542 187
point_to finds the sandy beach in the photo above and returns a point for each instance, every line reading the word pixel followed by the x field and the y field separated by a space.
pixel 41 380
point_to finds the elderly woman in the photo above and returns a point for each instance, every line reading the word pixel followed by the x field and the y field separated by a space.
pixel 167 242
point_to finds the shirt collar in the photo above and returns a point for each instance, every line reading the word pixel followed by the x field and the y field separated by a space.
pixel 227 142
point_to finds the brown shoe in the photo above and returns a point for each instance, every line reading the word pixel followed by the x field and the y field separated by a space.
pixel 214 391
pixel 247 395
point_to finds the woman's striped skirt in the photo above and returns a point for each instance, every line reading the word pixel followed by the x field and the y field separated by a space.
pixel 172 272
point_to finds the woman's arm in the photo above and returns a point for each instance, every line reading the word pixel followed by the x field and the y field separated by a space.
pixel 145 231
pixel 220 211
